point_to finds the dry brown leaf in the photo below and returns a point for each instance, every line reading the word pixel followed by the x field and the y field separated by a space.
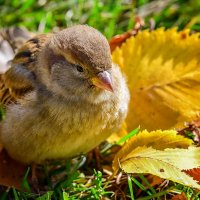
pixel 195 173
pixel 153 180
pixel 11 171
pixel 181 196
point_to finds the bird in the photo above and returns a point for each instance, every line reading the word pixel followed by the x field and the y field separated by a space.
pixel 63 96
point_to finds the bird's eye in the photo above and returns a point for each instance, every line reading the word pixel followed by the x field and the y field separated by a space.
pixel 79 68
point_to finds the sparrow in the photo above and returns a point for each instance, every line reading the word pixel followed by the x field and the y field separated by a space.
pixel 63 96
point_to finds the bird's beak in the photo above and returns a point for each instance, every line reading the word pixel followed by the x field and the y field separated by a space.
pixel 103 80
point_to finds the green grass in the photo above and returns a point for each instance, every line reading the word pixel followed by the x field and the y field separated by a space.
pixel 110 17
pixel 82 184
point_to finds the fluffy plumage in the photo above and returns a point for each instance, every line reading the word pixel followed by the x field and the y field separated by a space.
pixel 63 96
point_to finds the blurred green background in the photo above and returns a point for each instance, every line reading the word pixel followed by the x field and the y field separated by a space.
pixel 111 17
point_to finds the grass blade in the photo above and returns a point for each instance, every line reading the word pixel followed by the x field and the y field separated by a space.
pixel 140 186
pixel 128 136
pixel 25 185
pixel 147 183
pixel 130 187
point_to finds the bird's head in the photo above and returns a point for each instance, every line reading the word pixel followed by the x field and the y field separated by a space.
pixel 77 61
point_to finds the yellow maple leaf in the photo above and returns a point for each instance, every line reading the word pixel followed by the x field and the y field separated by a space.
pixel 163 72
pixel 157 153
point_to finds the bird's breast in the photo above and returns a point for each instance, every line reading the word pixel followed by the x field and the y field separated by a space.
pixel 78 129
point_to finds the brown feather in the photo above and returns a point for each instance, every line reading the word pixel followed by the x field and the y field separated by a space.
pixel 13 85
pixel 15 36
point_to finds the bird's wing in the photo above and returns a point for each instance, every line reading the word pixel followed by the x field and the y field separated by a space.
pixel 16 81
pixel 15 36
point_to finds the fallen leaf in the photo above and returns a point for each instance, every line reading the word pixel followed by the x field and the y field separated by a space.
pixel 181 196
pixel 153 180
pixel 11 171
pixel 159 163
pixel 162 69
pixel 195 173
pixel 159 140
pixel 142 154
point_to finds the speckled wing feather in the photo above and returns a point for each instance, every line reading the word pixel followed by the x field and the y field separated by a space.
pixel 15 36
pixel 15 82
